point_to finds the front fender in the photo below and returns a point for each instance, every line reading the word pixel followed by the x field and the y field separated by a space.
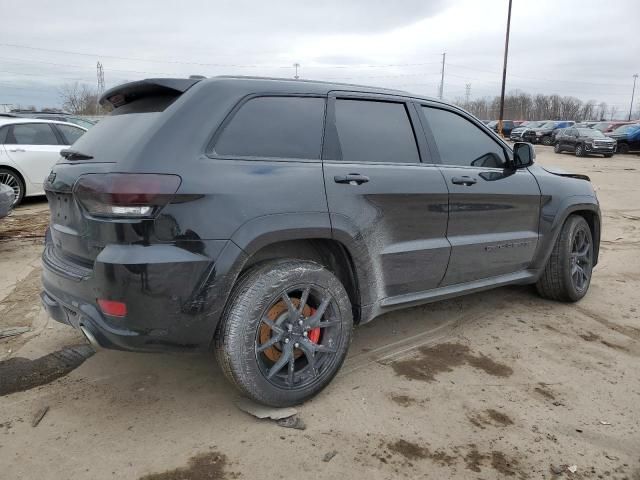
pixel 553 218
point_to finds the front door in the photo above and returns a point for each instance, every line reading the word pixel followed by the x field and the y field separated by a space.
pixel 493 211
pixel 569 139
pixel 35 148
pixel 379 189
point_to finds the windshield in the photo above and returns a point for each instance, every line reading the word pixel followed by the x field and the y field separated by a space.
pixel 547 125
pixel 601 126
pixel 492 123
pixel 590 132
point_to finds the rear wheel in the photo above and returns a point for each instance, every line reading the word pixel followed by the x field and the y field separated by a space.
pixel 547 140
pixel 12 179
pixel 285 332
pixel 567 275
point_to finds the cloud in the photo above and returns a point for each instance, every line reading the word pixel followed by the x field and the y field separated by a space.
pixel 577 47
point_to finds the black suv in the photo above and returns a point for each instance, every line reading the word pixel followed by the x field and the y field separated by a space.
pixel 584 141
pixel 507 126
pixel 263 218
pixel 545 133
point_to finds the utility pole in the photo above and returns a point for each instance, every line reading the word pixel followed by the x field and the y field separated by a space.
pixel 633 92
pixel 100 74
pixel 504 70
pixel 441 90
pixel 467 94
pixel 296 65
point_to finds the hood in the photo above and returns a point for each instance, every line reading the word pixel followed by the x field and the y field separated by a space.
pixel 562 173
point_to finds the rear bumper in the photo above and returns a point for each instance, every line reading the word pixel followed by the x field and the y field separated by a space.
pixel 174 296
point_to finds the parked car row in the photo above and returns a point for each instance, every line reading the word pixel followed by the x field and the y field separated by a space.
pixel 29 148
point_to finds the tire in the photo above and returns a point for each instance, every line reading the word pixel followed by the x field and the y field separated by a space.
pixel 557 281
pixel 622 148
pixel 256 334
pixel 580 151
pixel 608 155
pixel 547 140
pixel 11 178
pixel 556 148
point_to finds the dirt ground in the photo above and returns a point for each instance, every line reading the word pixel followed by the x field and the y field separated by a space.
pixel 500 384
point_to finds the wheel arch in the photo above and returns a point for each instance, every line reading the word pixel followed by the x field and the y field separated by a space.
pixel 19 174
pixel 306 236
pixel 582 205
pixel 327 252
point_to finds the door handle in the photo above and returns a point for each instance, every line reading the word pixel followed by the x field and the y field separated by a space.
pixel 17 150
pixel 464 180
pixel 351 179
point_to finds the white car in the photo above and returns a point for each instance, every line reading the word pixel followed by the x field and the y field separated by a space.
pixel 29 148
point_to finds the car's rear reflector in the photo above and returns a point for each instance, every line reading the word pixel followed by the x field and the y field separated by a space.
pixel 112 308
pixel 125 195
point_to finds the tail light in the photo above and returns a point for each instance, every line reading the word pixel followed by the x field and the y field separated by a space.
pixel 113 308
pixel 125 195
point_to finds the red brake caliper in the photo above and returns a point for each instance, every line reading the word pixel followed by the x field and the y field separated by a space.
pixel 314 335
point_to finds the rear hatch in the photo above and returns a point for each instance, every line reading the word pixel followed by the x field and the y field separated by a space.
pixel 87 198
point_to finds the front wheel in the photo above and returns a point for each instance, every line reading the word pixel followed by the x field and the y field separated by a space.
pixel 608 155
pixel 285 332
pixel 622 148
pixel 567 275
pixel 556 148
pixel 580 152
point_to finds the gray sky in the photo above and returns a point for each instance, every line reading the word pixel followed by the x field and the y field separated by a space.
pixel 586 48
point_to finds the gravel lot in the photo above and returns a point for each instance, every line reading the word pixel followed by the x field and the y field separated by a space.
pixel 495 385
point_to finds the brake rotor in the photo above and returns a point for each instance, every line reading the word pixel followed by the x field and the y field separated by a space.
pixel 273 353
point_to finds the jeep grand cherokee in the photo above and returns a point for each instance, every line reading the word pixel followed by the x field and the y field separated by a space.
pixel 263 218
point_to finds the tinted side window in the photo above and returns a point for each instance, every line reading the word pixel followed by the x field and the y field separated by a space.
pixel 279 127
pixel 372 131
pixel 32 134
pixel 460 142
pixel 71 134
pixel 3 134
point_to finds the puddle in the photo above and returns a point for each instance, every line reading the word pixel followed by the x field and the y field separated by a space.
pixel 432 361
pixel 206 466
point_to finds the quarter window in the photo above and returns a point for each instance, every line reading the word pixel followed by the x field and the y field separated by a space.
pixel 460 142
pixel 373 131
pixel 71 134
pixel 277 127
pixel 32 134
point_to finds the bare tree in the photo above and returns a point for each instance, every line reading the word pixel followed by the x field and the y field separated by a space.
pixel 79 99
pixel 588 110
pixel 613 110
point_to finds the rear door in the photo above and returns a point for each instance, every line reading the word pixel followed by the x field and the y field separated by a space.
pixel 493 211
pixel 35 148
pixel 382 186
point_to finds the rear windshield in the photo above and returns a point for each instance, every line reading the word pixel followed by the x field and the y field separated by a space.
pixel 113 136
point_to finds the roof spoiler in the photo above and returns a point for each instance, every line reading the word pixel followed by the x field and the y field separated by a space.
pixel 127 92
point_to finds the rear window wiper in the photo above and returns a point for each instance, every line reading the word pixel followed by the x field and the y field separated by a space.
pixel 70 154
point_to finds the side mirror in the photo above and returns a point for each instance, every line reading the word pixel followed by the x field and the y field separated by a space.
pixel 523 154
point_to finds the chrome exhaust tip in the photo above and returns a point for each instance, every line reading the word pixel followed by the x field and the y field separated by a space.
pixel 90 338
